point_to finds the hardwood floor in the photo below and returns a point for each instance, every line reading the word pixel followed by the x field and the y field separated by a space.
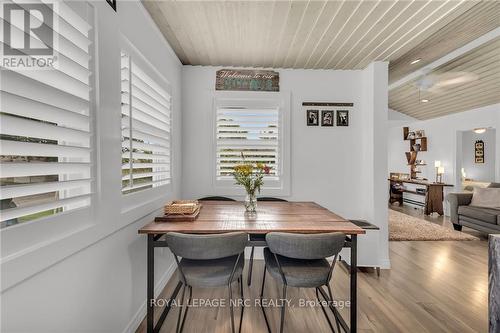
pixel 433 286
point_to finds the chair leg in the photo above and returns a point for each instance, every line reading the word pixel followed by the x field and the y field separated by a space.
pixel 187 308
pixel 260 298
pixel 177 329
pixel 231 311
pixel 337 320
pixel 324 312
pixel 242 303
pixel 283 307
pixel 250 266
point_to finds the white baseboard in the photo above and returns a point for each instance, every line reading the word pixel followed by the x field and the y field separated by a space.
pixel 385 264
pixel 141 312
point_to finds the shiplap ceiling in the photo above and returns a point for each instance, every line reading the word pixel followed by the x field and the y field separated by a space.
pixel 343 35
pixel 299 34
pixel 483 61
pixel 474 23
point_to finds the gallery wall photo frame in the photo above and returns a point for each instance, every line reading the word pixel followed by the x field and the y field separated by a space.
pixel 112 3
pixel 312 117
pixel 479 152
pixel 343 118
pixel 327 118
pixel 327 114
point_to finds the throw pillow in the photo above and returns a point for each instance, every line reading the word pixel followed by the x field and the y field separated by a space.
pixel 486 197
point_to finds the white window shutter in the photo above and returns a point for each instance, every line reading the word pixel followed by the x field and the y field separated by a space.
pixel 247 134
pixel 146 123
pixel 46 133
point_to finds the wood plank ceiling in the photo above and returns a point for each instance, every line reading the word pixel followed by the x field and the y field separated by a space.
pixel 483 61
pixel 338 35
pixel 299 34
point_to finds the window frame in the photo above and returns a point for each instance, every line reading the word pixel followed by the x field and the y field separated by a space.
pixel 281 100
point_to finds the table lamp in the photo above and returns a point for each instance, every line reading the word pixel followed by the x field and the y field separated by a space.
pixel 437 165
pixel 440 172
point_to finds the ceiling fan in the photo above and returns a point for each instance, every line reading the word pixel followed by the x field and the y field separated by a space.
pixel 437 83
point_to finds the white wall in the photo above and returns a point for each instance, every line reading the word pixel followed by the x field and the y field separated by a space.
pixel 442 141
pixel 321 157
pixel 482 172
pixel 95 279
pixel 326 163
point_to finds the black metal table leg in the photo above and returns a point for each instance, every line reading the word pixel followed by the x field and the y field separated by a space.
pixel 354 282
pixel 150 284
pixel 249 278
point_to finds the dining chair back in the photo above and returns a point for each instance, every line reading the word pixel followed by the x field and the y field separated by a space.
pixel 216 198
pixel 209 261
pixel 206 247
pixel 271 199
pixel 305 246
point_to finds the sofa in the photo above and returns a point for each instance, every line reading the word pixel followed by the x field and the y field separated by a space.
pixel 462 214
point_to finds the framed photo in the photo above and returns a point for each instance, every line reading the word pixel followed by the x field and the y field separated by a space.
pixel 112 3
pixel 326 118
pixel 342 118
pixel 479 151
pixel 312 117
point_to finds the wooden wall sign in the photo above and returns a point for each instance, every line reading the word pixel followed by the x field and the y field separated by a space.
pixel 327 104
pixel 479 151
pixel 247 80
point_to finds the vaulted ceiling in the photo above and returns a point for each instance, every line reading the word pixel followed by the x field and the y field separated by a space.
pixel 326 35
pixel 483 62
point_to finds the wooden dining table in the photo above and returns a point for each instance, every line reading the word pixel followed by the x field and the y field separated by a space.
pixel 227 216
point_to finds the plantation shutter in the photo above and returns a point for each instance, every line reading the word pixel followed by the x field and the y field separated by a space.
pixel 146 111
pixel 46 137
pixel 251 132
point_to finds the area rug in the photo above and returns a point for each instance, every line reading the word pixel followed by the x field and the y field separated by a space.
pixel 404 227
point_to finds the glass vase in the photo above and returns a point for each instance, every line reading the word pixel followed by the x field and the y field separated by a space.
pixel 251 203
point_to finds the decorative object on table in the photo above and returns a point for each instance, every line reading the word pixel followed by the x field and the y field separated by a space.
pixel 479 151
pixel 326 118
pixel 251 177
pixel 437 165
pixel 112 3
pixel 312 117
pixel 342 118
pixel 440 173
pixel 247 80
pixel 180 210
pixel 418 143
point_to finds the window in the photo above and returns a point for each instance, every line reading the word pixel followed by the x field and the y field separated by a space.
pixel 46 131
pixel 254 130
pixel 246 134
pixel 146 119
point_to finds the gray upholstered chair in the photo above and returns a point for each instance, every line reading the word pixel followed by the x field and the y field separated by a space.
pixel 208 261
pixel 216 198
pixel 299 260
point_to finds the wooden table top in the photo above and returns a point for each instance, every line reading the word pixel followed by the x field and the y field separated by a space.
pixel 226 216
pixel 418 182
